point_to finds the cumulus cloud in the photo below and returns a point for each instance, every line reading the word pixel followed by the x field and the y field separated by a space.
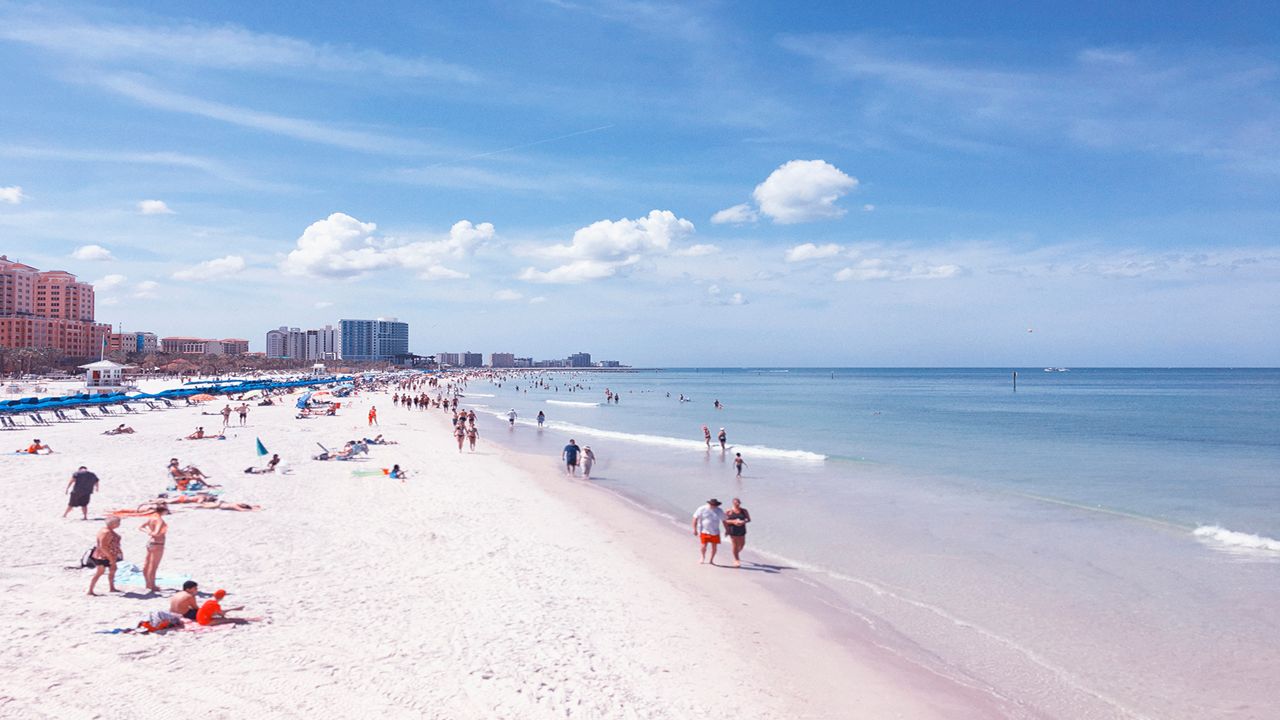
pixel 798 191
pixel 12 194
pixel 507 295
pixel 146 290
pixel 809 251
pixel 341 246
pixel 882 269
pixel 109 283
pixel 154 207
pixel 736 215
pixel 602 249
pixel 537 300
pixel 92 252
pixel 697 251
pixel 212 269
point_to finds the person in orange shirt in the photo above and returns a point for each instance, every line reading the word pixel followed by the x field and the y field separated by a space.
pixel 36 447
pixel 373 415
pixel 211 612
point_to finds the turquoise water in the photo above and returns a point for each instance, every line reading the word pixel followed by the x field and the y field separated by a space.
pixel 1099 543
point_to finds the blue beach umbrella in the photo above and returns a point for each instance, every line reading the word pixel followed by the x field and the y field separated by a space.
pixel 262 450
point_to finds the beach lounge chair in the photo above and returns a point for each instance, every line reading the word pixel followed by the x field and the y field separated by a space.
pixel 61 416
pixel 128 409
pixel 166 402
pixel 103 409
pixel 85 413
pixel 7 423
pixel 39 420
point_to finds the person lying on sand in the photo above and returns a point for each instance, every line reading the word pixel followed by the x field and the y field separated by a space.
pixel 270 468
pixel 120 429
pixel 36 448
pixel 224 505
pixel 199 434
pixel 379 441
pixel 212 613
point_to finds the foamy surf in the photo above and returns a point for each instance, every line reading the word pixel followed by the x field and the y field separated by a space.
pixel 1234 541
pixel 684 444
pixel 571 403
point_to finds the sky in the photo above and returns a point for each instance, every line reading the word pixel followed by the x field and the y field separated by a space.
pixel 664 184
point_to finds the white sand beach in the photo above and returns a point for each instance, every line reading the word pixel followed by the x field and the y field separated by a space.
pixel 484 586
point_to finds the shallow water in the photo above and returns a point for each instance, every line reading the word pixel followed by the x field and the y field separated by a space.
pixel 1101 543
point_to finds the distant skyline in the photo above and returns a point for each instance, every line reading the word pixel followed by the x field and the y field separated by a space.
pixel 667 184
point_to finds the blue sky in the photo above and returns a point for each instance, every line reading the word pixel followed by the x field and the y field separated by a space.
pixel 669 184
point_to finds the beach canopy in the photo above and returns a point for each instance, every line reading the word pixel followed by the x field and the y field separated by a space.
pixel 202 397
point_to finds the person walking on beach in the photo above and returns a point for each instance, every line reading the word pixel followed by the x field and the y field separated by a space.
pixel 735 526
pixel 472 435
pixel 707 520
pixel 106 554
pixel 588 459
pixel 226 415
pixel 459 432
pixel 570 456
pixel 373 415
pixel 738 463
pixel 541 419
pixel 722 437
pixel 81 485
pixel 157 531
pixel 243 412
pixel 511 418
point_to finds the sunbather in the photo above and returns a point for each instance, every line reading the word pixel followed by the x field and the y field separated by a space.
pixel 120 429
pixel 270 468
pixel 36 448
pixel 379 441
pixel 224 505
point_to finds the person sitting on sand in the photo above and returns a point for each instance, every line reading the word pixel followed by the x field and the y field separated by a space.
pixel 270 468
pixel 105 554
pixel 396 473
pixel 185 603
pixel 211 612
pixel 36 448
pixel 120 429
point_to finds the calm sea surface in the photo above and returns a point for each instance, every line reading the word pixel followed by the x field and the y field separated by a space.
pixel 1099 543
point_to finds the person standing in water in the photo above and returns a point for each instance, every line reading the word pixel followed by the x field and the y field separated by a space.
pixel 738 463
pixel 706 434
pixel 735 526
pixel 722 437
pixel 541 419
pixel 511 418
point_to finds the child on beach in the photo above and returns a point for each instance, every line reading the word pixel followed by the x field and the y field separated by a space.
pixel 739 463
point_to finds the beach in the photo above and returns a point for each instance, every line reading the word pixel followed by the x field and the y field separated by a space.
pixel 485 585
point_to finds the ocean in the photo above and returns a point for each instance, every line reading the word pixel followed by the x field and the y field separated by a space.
pixel 1098 543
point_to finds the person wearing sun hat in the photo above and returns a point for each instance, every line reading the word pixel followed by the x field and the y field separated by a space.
pixel 707 521
pixel 211 612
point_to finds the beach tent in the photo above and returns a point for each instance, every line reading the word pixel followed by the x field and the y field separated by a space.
pixel 302 401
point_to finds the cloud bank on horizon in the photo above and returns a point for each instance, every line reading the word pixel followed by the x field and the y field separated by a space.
pixel 903 196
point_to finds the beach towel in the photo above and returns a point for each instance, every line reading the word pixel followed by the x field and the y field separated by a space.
pixel 132 575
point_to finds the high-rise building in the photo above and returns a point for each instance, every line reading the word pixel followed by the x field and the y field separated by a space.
pixel 203 346
pixel 379 339
pixel 48 310
pixel 448 358
pixel 294 343
pixel 580 360
pixel 472 360
pixel 502 360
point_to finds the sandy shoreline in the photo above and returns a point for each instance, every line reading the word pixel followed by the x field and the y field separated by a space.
pixel 485 586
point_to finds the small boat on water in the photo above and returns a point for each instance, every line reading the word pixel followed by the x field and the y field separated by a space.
pixel 1057 370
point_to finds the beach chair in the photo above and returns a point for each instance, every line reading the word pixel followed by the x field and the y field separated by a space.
pixel 166 402
pixel 39 420
pixel 85 413
pixel 61 416
pixel 7 423
pixel 129 409
pixel 103 409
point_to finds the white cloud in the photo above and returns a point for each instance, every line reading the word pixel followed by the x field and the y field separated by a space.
pixel 882 269
pixel 109 283
pixel 92 252
pixel 213 46
pixel 146 290
pixel 736 215
pixel 154 207
pixel 507 295
pixel 809 251
pixel 737 299
pixel 579 271
pixel 868 208
pixel 341 246
pixel 212 269
pixel 697 251
pixel 803 191
pixel 603 248
pixel 537 300
pixel 323 304
pixel 12 194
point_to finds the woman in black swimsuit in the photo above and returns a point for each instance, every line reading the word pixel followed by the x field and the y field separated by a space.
pixel 735 524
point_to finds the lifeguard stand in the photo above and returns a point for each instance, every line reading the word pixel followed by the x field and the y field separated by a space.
pixel 318 370
pixel 104 376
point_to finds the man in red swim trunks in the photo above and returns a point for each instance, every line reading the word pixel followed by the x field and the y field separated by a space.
pixel 707 521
